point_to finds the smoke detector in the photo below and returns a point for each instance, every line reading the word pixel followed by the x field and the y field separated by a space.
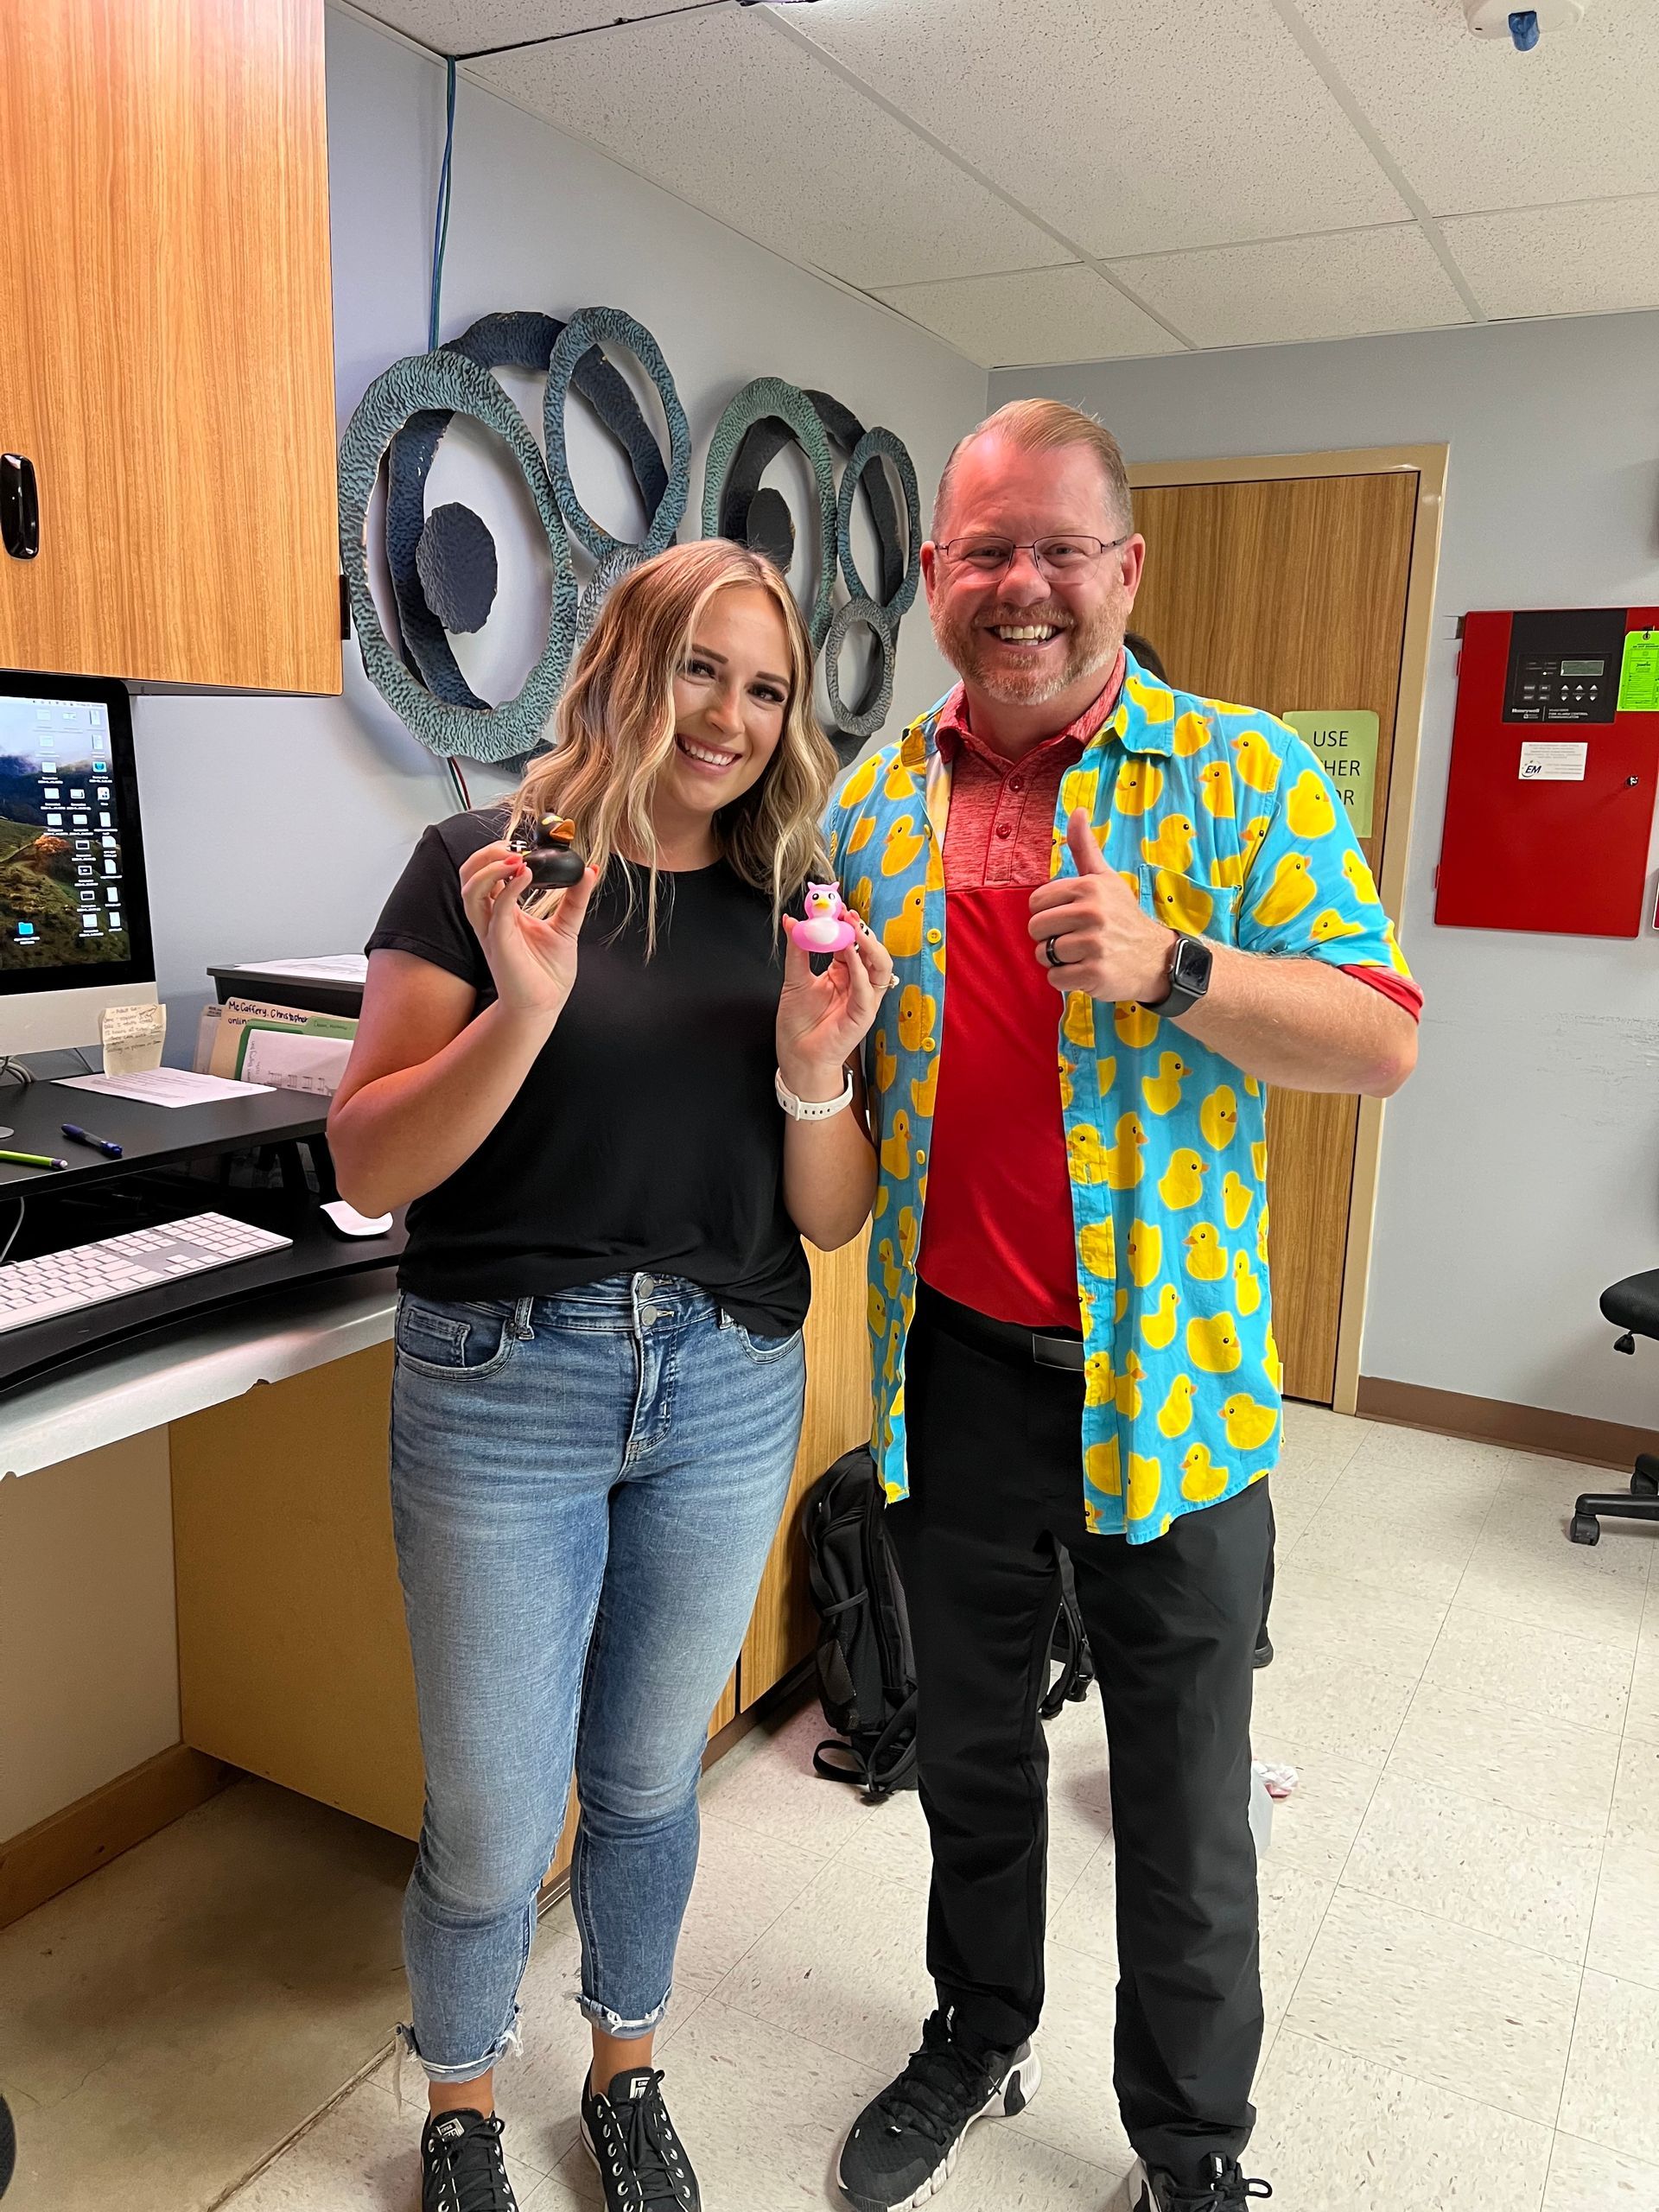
pixel 1522 27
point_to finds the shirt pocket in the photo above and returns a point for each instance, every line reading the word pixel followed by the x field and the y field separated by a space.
pixel 1182 902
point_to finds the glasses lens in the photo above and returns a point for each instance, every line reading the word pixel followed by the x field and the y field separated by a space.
pixel 1061 554
pixel 988 555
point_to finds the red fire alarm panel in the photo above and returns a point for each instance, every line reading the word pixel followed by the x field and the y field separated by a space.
pixel 1555 771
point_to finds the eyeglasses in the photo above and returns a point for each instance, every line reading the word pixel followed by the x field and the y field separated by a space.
pixel 1065 556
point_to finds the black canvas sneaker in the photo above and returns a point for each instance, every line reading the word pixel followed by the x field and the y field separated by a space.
pixel 631 2138
pixel 1224 2189
pixel 461 2166
pixel 903 2146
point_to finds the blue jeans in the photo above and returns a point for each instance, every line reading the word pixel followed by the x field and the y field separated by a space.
pixel 584 1491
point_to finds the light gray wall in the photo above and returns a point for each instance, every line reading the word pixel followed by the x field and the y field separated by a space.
pixel 1521 1166
pixel 276 826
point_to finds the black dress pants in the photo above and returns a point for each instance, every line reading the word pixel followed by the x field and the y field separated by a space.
pixel 996 1489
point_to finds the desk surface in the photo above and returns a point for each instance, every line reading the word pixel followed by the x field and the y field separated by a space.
pixel 153 1136
pixel 165 1376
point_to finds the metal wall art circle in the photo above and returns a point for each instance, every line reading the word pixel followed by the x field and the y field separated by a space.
pixel 854 725
pixel 865 469
pixel 447 382
pixel 579 337
pixel 774 412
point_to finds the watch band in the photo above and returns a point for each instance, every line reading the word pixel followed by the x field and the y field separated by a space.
pixel 801 1109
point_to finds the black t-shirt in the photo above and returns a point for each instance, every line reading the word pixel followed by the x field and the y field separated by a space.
pixel 646 1136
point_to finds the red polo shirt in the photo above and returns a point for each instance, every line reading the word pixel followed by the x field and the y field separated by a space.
pixel 997 1231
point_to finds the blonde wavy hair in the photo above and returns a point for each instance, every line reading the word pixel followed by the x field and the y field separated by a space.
pixel 613 733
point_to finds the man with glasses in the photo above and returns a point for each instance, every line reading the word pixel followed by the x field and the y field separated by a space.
pixel 1117 911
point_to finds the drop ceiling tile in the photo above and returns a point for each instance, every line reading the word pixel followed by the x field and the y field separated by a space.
pixel 1036 316
pixel 1132 127
pixel 1296 288
pixel 748 126
pixel 466 26
pixel 1590 259
pixel 1476 125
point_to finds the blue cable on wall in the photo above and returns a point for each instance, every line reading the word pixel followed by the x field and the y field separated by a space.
pixel 441 217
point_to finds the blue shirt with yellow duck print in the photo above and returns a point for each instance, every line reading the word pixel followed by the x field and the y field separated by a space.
pixel 1224 824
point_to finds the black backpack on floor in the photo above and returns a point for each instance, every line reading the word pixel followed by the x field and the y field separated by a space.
pixel 866 1670
pixel 1070 1647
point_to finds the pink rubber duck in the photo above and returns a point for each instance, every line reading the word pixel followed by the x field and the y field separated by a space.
pixel 828 926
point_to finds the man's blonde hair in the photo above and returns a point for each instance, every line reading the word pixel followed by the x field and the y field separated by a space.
pixel 1045 426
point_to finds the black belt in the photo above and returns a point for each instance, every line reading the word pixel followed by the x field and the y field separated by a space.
pixel 1003 1340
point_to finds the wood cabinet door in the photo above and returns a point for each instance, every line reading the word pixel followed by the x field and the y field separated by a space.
pixel 166 348
pixel 1291 593
pixel 785 1627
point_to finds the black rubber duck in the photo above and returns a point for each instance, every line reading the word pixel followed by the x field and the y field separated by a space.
pixel 552 865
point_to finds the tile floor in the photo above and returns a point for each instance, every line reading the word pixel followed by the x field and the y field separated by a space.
pixel 1460 1917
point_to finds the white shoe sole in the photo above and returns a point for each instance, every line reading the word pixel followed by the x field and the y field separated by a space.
pixel 1011 2095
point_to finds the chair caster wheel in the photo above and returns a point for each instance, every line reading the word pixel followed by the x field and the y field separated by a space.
pixel 1585 1528
pixel 1643 1484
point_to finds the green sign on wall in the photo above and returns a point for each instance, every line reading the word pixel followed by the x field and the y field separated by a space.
pixel 1345 744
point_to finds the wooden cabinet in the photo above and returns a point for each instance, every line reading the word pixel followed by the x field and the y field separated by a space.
pixel 166 349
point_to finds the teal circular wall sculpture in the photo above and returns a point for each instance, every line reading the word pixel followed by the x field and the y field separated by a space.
pixel 447 381
pixel 582 333
pixel 769 399
pixel 867 453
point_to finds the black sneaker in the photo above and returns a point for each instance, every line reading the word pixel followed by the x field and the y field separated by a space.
pixel 1224 2189
pixel 461 2166
pixel 631 2138
pixel 903 2146
pixel 1262 1656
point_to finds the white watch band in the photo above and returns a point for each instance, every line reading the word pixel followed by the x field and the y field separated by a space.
pixel 801 1110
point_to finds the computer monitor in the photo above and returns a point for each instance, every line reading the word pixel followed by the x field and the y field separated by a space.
pixel 75 919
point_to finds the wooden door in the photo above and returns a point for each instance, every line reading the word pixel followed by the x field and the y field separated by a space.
pixel 166 348
pixel 1290 593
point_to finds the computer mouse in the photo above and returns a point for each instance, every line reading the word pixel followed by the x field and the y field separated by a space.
pixel 347 1222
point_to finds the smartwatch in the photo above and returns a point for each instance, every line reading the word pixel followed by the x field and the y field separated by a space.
pixel 1189 963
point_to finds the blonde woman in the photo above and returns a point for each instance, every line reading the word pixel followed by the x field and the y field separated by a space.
pixel 592 1102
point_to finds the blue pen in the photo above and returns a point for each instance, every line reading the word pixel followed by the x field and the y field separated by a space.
pixel 98 1144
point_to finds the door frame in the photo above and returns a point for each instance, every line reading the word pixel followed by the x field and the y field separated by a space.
pixel 1429 462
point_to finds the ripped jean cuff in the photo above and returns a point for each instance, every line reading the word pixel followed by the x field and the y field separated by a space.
pixel 614 2024
pixel 508 2043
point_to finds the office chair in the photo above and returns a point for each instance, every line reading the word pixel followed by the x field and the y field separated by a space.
pixel 1632 1306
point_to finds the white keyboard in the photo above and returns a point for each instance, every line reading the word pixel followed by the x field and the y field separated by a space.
pixel 92 1275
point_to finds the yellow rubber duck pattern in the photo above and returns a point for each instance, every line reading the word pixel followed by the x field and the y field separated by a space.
pixel 1226 825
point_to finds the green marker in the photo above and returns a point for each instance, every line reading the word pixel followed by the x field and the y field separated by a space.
pixel 30 1160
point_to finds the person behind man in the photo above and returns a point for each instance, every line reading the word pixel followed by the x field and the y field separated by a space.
pixel 1116 913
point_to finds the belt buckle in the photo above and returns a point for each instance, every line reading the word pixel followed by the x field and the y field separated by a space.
pixel 1065 1353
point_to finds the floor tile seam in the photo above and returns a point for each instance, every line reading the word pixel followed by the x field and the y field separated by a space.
pixel 364 2078
pixel 1428 2080
pixel 764 1836
pixel 1457 1789
pixel 1529 1617
pixel 1463 2096
pixel 1572 2135
pixel 1445 1920
pixel 733 2004
pixel 1482 1705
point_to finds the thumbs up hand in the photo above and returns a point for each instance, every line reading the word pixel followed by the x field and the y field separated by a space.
pixel 1091 934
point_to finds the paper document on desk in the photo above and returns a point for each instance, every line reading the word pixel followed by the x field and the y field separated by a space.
pixel 294 1060
pixel 161 1087
pixel 336 968
pixel 242 1020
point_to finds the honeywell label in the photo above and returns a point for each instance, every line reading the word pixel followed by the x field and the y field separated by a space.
pixel 1553 761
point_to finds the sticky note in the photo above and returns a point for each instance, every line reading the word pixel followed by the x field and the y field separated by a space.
pixel 1344 739
pixel 1638 677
